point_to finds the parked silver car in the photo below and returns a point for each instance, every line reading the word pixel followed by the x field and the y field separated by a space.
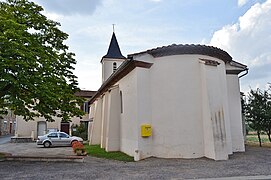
pixel 57 139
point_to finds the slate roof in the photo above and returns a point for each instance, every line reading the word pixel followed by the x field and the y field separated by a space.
pixel 114 49
pixel 187 49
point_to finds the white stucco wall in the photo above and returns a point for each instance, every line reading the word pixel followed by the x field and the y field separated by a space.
pixel 217 114
pixel 107 67
pixel 144 106
pixel 235 113
pixel 105 118
pixel 96 129
pixel 91 117
pixel 173 86
pixel 224 95
pixel 209 146
pixel 129 118
pixel 176 107
pixel 113 127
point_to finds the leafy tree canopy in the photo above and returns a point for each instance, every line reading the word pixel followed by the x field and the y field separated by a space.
pixel 255 109
pixel 36 78
pixel 258 112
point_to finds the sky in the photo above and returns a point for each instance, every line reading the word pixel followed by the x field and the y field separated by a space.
pixel 240 27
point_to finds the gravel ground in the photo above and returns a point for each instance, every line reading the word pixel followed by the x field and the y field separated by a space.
pixel 255 161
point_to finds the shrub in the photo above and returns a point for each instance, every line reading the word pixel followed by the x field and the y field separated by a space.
pixel 80 131
pixel 2 155
pixel 78 148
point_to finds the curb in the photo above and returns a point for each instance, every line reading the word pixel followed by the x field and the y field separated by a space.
pixel 5 155
pixel 80 159
pixel 260 177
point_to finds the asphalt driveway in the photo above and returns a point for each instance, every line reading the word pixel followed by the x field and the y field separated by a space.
pixel 5 139
pixel 31 149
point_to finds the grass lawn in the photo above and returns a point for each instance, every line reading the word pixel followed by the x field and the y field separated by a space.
pixel 95 150
pixel 2 155
pixel 252 140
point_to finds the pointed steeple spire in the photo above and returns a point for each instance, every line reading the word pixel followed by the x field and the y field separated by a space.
pixel 114 49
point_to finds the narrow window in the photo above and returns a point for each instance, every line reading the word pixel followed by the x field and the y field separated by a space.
pixel 85 107
pixel 5 125
pixel 121 103
pixel 114 66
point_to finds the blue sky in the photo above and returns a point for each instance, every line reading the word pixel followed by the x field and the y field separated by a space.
pixel 241 27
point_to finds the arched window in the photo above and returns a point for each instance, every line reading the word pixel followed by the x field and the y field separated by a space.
pixel 114 66
pixel 121 102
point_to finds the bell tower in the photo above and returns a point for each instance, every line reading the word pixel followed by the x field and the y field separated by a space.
pixel 113 59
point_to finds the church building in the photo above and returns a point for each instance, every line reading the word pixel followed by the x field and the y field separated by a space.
pixel 176 101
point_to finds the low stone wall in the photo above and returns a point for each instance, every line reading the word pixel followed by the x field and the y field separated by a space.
pixel 21 140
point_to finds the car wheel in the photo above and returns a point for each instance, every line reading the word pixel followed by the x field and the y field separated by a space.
pixel 46 144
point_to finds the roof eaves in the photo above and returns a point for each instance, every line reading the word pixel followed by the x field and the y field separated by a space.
pixel 240 68
pixel 84 93
pixel 237 64
pixel 235 71
pixel 121 72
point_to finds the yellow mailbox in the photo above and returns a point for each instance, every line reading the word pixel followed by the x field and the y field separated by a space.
pixel 146 130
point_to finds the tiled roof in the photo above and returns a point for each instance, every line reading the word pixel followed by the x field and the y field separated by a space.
pixel 85 93
pixel 114 49
pixel 187 49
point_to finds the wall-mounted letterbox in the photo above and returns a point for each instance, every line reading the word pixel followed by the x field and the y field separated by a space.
pixel 146 130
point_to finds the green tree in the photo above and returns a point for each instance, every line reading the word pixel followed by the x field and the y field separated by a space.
pixel 257 112
pixel 267 109
pixel 36 78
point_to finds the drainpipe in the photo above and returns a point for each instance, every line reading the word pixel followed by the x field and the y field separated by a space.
pixel 243 117
pixel 244 74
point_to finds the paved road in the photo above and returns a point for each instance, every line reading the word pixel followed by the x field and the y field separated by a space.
pixel 5 139
pixel 256 162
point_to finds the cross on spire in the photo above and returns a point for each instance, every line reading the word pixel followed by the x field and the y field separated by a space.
pixel 113 27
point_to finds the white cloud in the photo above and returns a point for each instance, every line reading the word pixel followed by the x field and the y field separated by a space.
pixel 242 2
pixel 248 41
pixel 53 16
pixel 147 24
pixel 69 7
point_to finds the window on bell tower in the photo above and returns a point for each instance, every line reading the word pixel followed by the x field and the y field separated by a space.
pixel 114 67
